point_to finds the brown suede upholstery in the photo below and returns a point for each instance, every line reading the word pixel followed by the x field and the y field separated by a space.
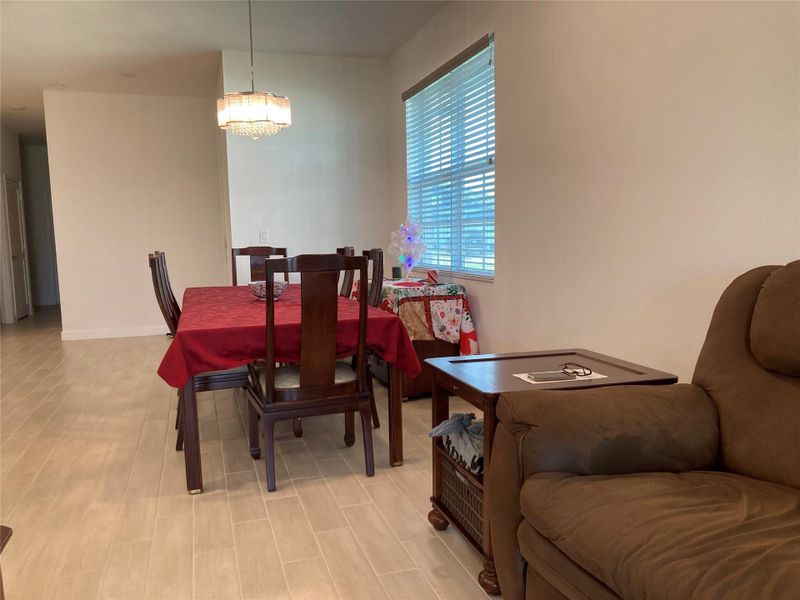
pixel 562 574
pixel 596 431
pixel 503 495
pixel 759 410
pixel 610 430
pixel 604 493
pixel 775 329
pixel 660 536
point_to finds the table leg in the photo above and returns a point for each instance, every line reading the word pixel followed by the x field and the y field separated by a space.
pixel 191 439
pixel 440 411
pixel 395 416
pixel 488 579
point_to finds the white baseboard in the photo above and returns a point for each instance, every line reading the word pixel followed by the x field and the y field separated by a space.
pixel 120 332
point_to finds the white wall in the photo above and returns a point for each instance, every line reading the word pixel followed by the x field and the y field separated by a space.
pixel 322 182
pixel 39 225
pixel 131 174
pixel 10 167
pixel 647 153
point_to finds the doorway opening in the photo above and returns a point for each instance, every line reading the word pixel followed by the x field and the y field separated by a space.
pixel 39 223
pixel 17 247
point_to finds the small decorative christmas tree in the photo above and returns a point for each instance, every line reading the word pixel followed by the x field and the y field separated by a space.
pixel 407 245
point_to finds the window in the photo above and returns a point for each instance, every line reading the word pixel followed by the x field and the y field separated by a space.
pixel 450 162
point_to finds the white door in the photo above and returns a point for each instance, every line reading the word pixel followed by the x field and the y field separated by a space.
pixel 19 251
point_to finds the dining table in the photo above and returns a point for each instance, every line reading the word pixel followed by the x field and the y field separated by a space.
pixel 224 327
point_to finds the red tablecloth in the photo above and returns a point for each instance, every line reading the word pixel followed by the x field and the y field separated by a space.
pixel 223 327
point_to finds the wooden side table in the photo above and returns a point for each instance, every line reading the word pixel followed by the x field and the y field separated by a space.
pixel 458 494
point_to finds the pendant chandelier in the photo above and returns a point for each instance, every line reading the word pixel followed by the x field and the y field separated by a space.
pixel 253 113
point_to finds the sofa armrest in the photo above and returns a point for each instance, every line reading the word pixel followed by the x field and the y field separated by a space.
pixel 609 430
pixel 612 430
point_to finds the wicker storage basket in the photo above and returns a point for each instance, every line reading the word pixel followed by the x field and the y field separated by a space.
pixel 462 498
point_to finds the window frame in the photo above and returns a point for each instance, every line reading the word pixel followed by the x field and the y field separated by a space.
pixel 487 41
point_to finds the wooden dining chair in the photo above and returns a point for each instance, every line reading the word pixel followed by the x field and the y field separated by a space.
pixel 164 296
pixel 257 256
pixel 347 278
pixel 319 384
pixel 374 296
pixel 375 259
pixel 204 382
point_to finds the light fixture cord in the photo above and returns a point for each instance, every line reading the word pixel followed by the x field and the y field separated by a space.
pixel 252 68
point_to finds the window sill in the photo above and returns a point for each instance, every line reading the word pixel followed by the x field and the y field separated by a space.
pixel 471 276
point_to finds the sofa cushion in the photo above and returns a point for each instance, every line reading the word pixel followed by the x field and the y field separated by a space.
pixel 700 534
pixel 775 327
pixel 759 409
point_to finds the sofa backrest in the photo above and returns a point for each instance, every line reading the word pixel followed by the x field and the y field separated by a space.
pixel 750 366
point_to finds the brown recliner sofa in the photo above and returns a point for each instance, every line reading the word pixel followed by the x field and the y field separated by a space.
pixel 673 492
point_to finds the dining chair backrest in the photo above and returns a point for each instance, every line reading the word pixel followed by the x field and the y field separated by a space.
pixel 163 289
pixel 375 256
pixel 347 278
pixel 257 255
pixel 319 321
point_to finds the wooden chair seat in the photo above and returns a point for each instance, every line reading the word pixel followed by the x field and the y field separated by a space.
pixel 220 380
pixel 288 376
pixel 234 370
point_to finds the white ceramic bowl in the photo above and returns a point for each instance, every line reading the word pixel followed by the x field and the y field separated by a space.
pixel 259 288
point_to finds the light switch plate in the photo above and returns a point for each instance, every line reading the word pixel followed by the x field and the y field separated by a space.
pixel 263 236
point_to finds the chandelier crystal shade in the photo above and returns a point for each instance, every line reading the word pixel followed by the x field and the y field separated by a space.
pixel 254 114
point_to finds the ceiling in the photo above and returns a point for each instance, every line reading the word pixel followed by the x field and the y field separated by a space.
pixel 172 47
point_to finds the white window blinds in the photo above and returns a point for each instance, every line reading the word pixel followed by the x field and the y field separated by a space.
pixel 450 163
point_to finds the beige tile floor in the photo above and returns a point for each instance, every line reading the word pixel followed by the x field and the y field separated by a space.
pixel 94 490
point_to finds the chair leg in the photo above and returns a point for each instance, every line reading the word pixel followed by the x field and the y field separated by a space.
pixel 269 448
pixel 376 421
pixel 297 427
pixel 349 428
pixel 178 415
pixel 366 426
pixel 252 418
pixel 179 424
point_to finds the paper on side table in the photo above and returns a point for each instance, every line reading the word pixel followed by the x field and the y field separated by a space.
pixel 524 377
